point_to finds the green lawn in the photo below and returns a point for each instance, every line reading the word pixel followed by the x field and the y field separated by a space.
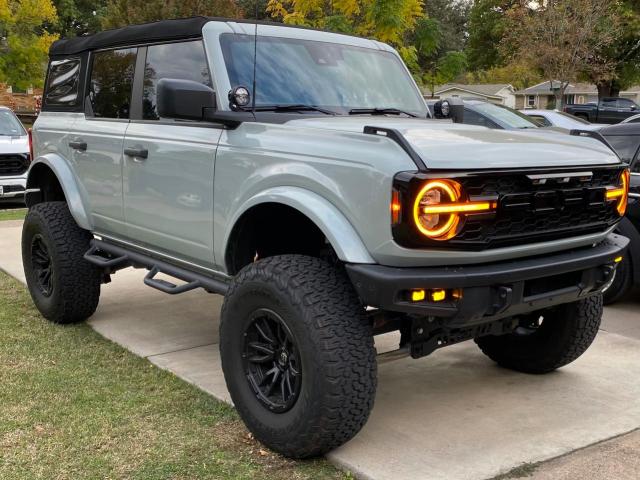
pixel 13 214
pixel 76 406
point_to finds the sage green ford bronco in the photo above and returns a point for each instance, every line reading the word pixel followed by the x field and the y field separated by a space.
pixel 299 174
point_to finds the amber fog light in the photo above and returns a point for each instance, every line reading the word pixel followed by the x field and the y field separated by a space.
pixel 439 208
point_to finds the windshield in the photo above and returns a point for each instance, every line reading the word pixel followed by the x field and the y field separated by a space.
pixel 10 125
pixel 332 76
pixel 506 117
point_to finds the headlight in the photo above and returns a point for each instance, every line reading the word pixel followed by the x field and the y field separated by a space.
pixel 620 194
pixel 440 207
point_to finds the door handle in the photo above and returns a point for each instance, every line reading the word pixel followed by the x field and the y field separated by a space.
pixel 78 145
pixel 136 152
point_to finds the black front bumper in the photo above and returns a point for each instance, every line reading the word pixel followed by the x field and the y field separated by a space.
pixel 492 291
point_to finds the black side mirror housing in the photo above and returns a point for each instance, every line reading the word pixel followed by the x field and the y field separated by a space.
pixel 184 99
pixel 452 108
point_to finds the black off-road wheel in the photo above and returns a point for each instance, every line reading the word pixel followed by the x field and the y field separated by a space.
pixel 63 285
pixel 548 339
pixel 297 354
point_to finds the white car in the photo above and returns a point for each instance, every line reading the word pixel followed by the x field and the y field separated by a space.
pixel 14 156
pixel 554 118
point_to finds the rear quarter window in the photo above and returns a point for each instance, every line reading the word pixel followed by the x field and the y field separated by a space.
pixel 63 83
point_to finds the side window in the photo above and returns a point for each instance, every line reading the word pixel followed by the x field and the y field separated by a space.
pixel 111 82
pixel 540 120
pixel 625 103
pixel 63 80
pixel 609 104
pixel 184 61
pixel 473 118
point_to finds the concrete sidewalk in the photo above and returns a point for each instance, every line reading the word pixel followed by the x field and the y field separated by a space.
pixel 453 415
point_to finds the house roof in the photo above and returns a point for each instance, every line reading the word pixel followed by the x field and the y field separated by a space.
pixel 483 89
pixel 544 88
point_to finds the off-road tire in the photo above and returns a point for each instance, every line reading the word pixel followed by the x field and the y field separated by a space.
pixel 317 303
pixel 622 282
pixel 565 334
pixel 75 283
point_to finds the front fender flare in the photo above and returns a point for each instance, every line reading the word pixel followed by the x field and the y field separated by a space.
pixel 73 190
pixel 336 228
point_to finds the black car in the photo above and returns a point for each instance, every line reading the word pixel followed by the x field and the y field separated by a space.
pixel 624 139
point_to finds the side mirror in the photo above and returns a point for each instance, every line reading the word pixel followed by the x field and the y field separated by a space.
pixel 184 99
pixel 452 108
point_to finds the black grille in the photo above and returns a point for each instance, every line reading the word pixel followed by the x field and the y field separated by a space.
pixel 539 212
pixel 13 164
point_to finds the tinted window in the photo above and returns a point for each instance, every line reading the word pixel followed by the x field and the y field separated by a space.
pixel 111 81
pixel 609 103
pixel 504 116
pixel 10 126
pixel 625 103
pixel 62 82
pixel 473 118
pixel 625 146
pixel 541 120
pixel 184 61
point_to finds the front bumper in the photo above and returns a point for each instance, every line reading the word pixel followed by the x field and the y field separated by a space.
pixel 12 187
pixel 492 291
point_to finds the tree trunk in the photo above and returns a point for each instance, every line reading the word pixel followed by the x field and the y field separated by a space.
pixel 604 89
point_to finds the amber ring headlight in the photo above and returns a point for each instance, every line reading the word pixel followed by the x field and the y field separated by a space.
pixel 439 209
pixel 621 193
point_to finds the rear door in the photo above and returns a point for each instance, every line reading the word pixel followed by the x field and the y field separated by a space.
pixel 607 111
pixel 168 185
pixel 96 142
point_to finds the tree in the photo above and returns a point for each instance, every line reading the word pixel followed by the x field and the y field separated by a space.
pixel 518 73
pixel 623 55
pixel 78 17
pixel 25 41
pixel 487 26
pixel 389 21
pixel 119 13
pixel 560 37
pixel 446 68
pixel 452 17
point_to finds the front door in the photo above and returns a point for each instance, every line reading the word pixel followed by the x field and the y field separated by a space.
pixel 168 165
pixel 96 142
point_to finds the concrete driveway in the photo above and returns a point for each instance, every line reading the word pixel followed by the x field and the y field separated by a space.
pixel 453 415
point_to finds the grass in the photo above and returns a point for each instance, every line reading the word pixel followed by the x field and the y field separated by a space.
pixel 13 214
pixel 76 406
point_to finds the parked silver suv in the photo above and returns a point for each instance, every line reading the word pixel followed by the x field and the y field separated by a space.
pixel 299 174
pixel 14 157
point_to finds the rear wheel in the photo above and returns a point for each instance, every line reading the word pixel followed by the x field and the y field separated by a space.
pixel 63 285
pixel 547 339
pixel 297 354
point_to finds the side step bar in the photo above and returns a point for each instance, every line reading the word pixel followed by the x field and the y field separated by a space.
pixel 112 258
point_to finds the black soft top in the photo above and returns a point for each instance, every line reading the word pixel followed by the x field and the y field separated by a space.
pixel 163 30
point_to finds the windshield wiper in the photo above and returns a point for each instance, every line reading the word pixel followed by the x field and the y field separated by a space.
pixel 380 111
pixel 294 108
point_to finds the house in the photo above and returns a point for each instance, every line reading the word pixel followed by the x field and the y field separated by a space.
pixel 500 93
pixel 541 95
pixel 20 101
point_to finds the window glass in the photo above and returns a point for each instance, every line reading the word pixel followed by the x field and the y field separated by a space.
pixel 541 120
pixel 338 77
pixel 184 61
pixel 111 81
pixel 62 82
pixel 625 146
pixel 504 116
pixel 473 118
pixel 10 126
pixel 625 103
pixel 610 103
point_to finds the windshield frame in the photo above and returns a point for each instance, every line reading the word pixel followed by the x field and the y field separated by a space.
pixel 213 31
pixel 20 125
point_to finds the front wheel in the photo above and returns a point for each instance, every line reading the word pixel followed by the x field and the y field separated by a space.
pixel 547 339
pixel 297 354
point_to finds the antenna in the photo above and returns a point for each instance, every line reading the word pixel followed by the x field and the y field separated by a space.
pixel 255 59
